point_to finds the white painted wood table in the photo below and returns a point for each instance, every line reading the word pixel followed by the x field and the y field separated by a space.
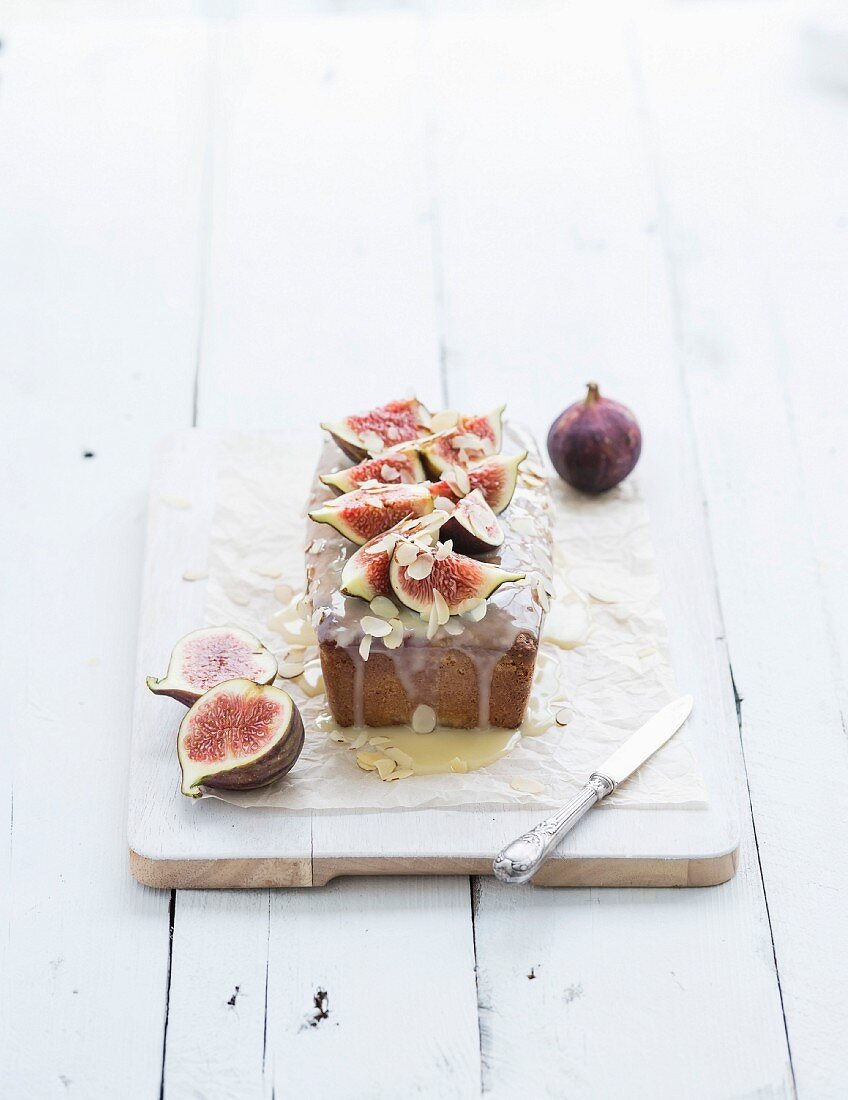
pixel 236 218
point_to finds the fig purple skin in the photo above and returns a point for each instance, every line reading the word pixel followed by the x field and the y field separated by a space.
pixel 595 443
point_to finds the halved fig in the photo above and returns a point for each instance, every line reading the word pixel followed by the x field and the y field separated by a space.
pixel 238 736
pixel 366 573
pixel 366 513
pixel 472 526
pixel 399 466
pixel 473 439
pixel 372 432
pixel 495 477
pixel 455 577
pixel 205 657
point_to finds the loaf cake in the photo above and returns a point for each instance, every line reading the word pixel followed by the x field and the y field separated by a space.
pixel 410 630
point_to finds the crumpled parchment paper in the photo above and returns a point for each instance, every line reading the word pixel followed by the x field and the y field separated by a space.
pixel 603 666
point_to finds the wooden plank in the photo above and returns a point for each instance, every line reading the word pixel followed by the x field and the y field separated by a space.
pixel 392 962
pixel 761 291
pixel 99 179
pixel 553 274
pixel 320 299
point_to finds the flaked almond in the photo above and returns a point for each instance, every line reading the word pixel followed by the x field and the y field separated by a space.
pixel 283 592
pixel 180 504
pixel 369 757
pixel 453 626
pixel 443 549
pixel 296 632
pixel 421 568
pixel 399 756
pixel 378 741
pixel 198 575
pixel 527 786
pixel 458 764
pixel 365 647
pixel 525 525
pixel 563 716
pixel 401 773
pixel 237 598
pixel 385 767
pixel 441 606
pixel 394 639
pixel 271 571
pixel 468 440
pixel 406 552
pixel 389 473
pixel 473 610
pixel 443 504
pixel 288 670
pixel 457 478
pixel 542 598
pixel 293 612
pixel 423 719
pixel 383 607
pixel 432 622
pixel 312 682
pixel 359 741
pixel 365 767
pixel 377 628
pixel 441 421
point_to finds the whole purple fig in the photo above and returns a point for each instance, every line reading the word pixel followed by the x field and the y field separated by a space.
pixel 595 443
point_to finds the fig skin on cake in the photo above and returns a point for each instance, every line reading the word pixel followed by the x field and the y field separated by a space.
pixel 474 674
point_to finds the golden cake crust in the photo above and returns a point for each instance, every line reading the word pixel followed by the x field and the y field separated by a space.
pixel 447 681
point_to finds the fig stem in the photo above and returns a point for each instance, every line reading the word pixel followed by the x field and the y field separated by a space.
pixel 592 393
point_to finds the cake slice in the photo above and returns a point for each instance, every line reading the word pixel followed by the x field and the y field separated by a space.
pixel 471 662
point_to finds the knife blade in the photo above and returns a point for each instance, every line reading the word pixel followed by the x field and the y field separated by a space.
pixel 520 860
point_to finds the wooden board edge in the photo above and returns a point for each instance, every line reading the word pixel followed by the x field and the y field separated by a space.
pixel 247 874
pixel 219 874
pixel 606 872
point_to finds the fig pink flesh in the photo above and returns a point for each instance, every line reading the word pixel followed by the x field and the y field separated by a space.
pixel 230 725
pixel 207 661
pixel 457 578
pixel 365 513
pixel 396 422
pixel 446 454
pixel 368 569
pixel 407 468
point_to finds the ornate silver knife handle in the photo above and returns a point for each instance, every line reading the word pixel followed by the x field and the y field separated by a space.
pixel 519 861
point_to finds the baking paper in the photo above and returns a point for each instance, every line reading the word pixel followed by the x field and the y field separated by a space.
pixel 603 665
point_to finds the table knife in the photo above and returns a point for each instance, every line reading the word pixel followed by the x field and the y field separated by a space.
pixel 520 860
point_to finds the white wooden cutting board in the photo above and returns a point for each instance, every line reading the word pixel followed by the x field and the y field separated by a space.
pixel 178 842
